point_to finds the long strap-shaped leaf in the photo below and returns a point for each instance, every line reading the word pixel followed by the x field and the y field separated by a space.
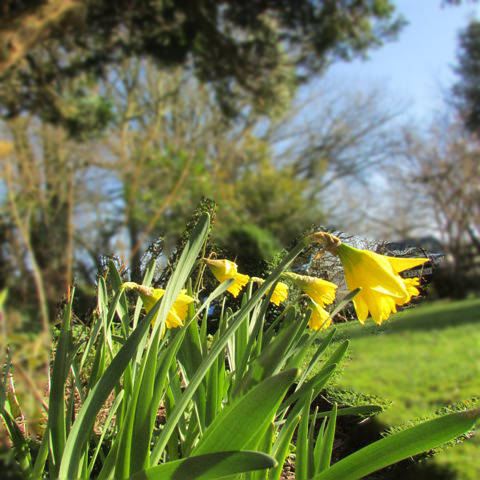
pixel 270 361
pixel 56 406
pixel 247 419
pixel 401 445
pixel 327 446
pixel 81 429
pixel 211 466
pixel 281 447
pixel 301 459
pixel 216 349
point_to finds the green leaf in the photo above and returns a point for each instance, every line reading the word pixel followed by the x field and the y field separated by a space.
pixel 41 457
pixel 315 383
pixel 211 466
pixel 246 419
pixel 256 333
pixel 122 305
pixel 136 427
pixel 363 410
pixel 301 459
pixel 327 445
pixel 282 444
pixel 317 450
pixel 264 445
pixel 311 444
pixel 273 357
pixel 399 446
pixel 56 405
pixel 106 425
pixel 321 348
pixel 345 301
pixel 241 335
pixel 338 354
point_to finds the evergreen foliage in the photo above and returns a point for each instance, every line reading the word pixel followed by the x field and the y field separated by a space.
pixel 50 51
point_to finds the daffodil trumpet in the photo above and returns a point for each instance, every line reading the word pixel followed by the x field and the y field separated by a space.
pixel 224 270
pixel 321 291
pixel 319 319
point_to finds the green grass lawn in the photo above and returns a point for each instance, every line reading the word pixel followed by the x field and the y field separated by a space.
pixel 421 359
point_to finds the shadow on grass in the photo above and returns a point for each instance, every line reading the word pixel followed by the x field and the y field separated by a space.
pixel 425 318
pixel 353 436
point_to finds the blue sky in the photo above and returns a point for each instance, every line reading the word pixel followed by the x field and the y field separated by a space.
pixel 418 65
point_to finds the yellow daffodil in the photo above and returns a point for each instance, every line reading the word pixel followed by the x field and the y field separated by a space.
pixel 320 291
pixel 225 270
pixel 411 285
pixel 279 295
pixel 150 296
pixel 320 319
pixel 378 277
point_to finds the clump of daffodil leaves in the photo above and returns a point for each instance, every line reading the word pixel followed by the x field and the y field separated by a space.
pixel 230 401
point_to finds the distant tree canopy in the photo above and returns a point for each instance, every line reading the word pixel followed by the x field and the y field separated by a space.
pixel 467 89
pixel 52 50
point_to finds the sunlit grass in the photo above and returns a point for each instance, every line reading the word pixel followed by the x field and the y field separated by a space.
pixel 422 359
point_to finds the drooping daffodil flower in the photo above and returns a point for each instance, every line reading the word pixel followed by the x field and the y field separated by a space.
pixel 321 292
pixel 378 277
pixel 224 270
pixel 382 288
pixel 280 293
pixel 150 296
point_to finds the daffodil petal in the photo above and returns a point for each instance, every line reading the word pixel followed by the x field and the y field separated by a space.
pixel 240 281
pixel 385 291
pixel 280 294
pixel 399 264
pixel 154 295
pixel 361 308
pixel 321 291
pixel 319 319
